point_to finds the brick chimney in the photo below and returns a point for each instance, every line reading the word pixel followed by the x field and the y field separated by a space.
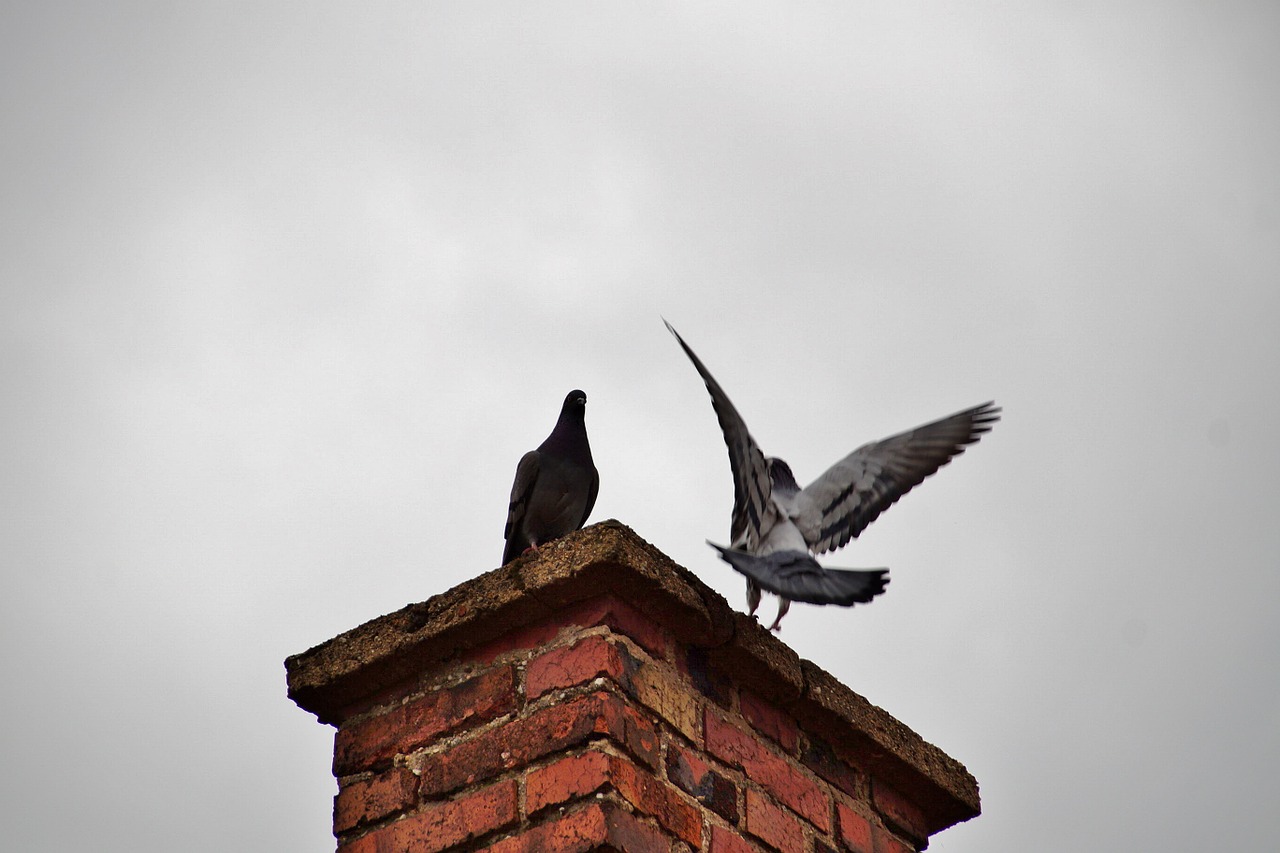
pixel 597 696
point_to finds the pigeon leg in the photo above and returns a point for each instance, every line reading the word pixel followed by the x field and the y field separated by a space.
pixel 753 597
pixel 784 604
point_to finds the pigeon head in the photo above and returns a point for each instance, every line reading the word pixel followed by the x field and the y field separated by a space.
pixel 574 409
pixel 570 434
pixel 781 476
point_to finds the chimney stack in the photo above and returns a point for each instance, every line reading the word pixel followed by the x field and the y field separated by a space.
pixel 597 696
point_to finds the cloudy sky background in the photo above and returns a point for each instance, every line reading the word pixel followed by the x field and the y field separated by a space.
pixel 288 289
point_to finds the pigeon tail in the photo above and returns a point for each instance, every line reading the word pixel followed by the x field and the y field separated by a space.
pixel 798 576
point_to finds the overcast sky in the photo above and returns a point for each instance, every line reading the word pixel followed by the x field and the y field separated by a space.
pixel 289 288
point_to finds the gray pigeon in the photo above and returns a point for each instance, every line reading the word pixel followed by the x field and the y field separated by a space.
pixel 555 485
pixel 777 527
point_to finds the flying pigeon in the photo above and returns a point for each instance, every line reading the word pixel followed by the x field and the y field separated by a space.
pixel 777 527
pixel 555 485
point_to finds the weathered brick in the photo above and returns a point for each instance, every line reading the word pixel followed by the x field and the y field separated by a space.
pixel 365 801
pixel 652 683
pixel 371 743
pixel 569 666
pixel 705 677
pixel 440 826
pixel 547 730
pixel 776 827
pixel 855 829
pixel 606 610
pixel 769 720
pixel 566 779
pixel 534 636
pixel 887 842
pixel 653 797
pixel 778 775
pixel 820 846
pixel 363 844
pixel 898 812
pixel 693 774
pixel 727 841
pixel 573 832
pixel 597 825
pixel 576 776
pixel 633 731
pixel 656 687
pixel 627 832
pixel 622 618
pixel 819 757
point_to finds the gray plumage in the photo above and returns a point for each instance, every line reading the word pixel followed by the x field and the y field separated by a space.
pixel 556 485
pixel 777 527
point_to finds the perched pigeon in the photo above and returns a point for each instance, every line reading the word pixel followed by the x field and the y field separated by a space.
pixel 555 485
pixel 777 527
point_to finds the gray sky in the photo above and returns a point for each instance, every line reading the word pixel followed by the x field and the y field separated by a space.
pixel 288 289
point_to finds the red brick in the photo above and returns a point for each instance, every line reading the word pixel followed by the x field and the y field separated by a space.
pixel 621 618
pixel 577 776
pixel 566 779
pixel 633 731
pixel 887 842
pixel 776 827
pixel 534 636
pixel 595 826
pixel 440 826
pixel 776 774
pixel 366 801
pixel 855 830
pixel 706 678
pixel 770 721
pixel 652 683
pixel 727 841
pixel 547 730
pixel 363 844
pixel 658 799
pixel 693 774
pixel 569 666
pixel 628 833
pixel 372 742
pixel 574 832
pixel 898 812
pixel 606 610
pixel 819 757
pixel 657 687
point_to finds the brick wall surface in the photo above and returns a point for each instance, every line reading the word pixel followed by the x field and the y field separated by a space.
pixel 595 726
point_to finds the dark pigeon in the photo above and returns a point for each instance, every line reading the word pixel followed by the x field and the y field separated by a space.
pixel 777 527
pixel 555 485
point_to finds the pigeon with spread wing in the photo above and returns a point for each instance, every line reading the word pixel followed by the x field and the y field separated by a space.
pixel 777 527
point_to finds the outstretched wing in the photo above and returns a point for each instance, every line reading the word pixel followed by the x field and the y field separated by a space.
pixel 851 494
pixel 753 510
